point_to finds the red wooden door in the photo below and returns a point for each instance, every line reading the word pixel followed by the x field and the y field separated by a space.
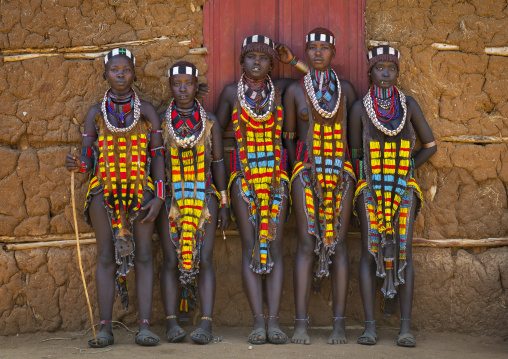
pixel 227 22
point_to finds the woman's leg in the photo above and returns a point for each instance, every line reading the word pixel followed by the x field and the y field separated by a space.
pixel 340 269
pixel 406 290
pixel 106 267
pixel 275 279
pixel 304 261
pixel 143 265
pixel 206 276
pixel 251 281
pixel 367 276
pixel 169 277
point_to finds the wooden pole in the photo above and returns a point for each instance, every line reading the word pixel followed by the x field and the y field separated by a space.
pixel 79 255
pixel 461 243
pixel 60 244
pixel 475 139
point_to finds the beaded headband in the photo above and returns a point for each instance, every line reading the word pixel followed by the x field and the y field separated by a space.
pixel 382 50
pixel 258 38
pixel 119 51
pixel 183 70
pixel 320 37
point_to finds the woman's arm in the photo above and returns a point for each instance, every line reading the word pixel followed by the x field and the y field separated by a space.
pixel 156 151
pixel 219 174
pixel 226 103
pixel 289 126
pixel 84 162
pixel 423 132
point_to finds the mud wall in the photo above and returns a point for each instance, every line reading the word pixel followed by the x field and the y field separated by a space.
pixel 44 102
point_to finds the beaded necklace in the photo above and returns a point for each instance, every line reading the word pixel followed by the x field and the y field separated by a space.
pixel 186 122
pixel 192 126
pixel 248 108
pixel 324 87
pixel 137 112
pixel 368 102
pixel 307 82
pixel 386 103
pixel 120 106
pixel 256 93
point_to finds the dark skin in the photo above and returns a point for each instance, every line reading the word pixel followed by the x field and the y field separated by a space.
pixel 120 75
pixel 184 88
pixel 256 65
pixel 320 55
pixel 384 75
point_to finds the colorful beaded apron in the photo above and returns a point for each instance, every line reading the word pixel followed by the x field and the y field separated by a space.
pixel 188 172
pixel 122 174
pixel 388 190
pixel 260 151
pixel 322 168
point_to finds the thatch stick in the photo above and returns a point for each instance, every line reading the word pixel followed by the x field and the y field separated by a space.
pixel 79 255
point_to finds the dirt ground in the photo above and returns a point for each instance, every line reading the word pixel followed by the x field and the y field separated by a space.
pixel 233 345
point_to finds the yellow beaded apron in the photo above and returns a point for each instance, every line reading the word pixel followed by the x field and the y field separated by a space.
pixel 260 148
pixel 323 173
pixel 187 171
pixel 122 174
pixel 388 187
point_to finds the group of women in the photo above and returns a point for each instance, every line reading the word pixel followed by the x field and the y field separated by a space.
pixel 309 140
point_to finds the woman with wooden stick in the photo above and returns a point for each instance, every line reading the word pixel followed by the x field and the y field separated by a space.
pixel 382 130
pixel 121 134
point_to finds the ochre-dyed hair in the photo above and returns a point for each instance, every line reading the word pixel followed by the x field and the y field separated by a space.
pixel 321 30
pixel 258 47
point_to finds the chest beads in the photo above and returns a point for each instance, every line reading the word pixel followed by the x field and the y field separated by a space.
pixel 309 87
pixel 372 108
pixel 137 112
pixel 243 102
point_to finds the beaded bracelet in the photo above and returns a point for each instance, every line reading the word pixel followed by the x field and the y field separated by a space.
pixel 356 153
pixel 160 189
pixel 156 131
pixel 87 135
pixel 157 151
pixel 429 145
pixel 299 65
pixel 224 199
pixel 87 152
pixel 217 161
pixel 83 168
pixel 288 135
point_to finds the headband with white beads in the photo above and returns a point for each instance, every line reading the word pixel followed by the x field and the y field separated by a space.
pixel 258 38
pixel 320 37
pixel 119 51
pixel 382 50
pixel 183 70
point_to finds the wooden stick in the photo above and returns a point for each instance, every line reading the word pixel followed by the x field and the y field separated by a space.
pixel 445 47
pixel 476 139
pixel 48 238
pixel 463 243
pixel 85 55
pixel 499 51
pixel 374 43
pixel 79 255
pixel 59 244
pixel 26 57
pixel 199 51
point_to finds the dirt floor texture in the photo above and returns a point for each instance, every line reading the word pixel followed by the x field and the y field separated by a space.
pixel 233 344
pixel 44 102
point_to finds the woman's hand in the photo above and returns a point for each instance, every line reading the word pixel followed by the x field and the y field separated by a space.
pixel 72 163
pixel 223 219
pixel 285 53
pixel 203 90
pixel 153 206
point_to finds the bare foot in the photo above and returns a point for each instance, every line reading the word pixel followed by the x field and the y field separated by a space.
pixel 338 335
pixel 300 335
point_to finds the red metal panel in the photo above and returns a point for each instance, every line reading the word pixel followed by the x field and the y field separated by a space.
pixel 227 22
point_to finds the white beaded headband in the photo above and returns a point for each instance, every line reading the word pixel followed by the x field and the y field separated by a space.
pixel 382 50
pixel 119 51
pixel 183 70
pixel 258 38
pixel 320 37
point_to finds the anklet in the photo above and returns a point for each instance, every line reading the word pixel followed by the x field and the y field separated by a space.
pixel 273 317
pixel 171 317
pixel 370 321
pixel 337 318
pixel 102 322
pixel 405 318
pixel 207 318
pixel 259 315
pixel 144 321
pixel 306 319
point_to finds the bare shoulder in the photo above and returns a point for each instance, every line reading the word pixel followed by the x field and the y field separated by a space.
pixel 147 106
pixel 211 117
pixel 229 92
pixel 357 109
pixel 94 110
pixel 295 88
